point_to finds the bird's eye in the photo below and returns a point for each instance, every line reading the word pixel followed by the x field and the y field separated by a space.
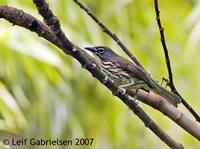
pixel 100 50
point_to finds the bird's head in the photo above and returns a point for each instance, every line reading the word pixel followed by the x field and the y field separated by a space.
pixel 104 53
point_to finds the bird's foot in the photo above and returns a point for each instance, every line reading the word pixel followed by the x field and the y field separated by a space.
pixel 135 97
pixel 120 90
pixel 136 101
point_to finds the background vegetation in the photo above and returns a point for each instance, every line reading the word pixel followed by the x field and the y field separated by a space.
pixel 46 94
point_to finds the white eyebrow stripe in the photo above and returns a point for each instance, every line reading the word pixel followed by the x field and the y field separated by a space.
pixel 100 48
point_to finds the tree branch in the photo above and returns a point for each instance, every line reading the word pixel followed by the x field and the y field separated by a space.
pixel 20 18
pixel 170 82
pixel 159 103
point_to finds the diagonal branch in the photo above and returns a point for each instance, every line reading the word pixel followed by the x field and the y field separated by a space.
pixel 160 104
pixel 18 17
pixel 170 82
pixel 108 32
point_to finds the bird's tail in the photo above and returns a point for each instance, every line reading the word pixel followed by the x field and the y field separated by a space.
pixel 171 97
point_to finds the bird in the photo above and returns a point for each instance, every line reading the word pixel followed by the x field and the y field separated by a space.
pixel 127 75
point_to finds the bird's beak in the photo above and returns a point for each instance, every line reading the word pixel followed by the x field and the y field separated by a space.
pixel 90 49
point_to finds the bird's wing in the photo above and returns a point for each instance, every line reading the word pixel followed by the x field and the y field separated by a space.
pixel 136 72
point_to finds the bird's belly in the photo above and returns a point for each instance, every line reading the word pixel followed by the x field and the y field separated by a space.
pixel 119 76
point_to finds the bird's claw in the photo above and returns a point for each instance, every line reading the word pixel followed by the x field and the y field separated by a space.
pixel 104 80
pixel 121 91
pixel 136 101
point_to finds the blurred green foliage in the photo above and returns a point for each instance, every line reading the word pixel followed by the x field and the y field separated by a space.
pixel 46 94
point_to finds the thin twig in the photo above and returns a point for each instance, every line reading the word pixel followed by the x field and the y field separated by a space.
pixel 108 32
pixel 170 82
